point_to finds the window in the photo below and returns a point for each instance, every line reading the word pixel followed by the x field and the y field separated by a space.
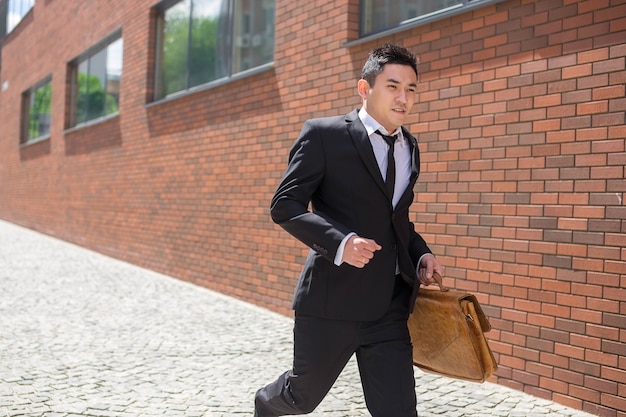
pixel 36 114
pixel 200 41
pixel 16 10
pixel 96 81
pixel 379 15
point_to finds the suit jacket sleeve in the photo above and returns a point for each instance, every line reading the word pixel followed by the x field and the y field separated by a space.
pixel 290 204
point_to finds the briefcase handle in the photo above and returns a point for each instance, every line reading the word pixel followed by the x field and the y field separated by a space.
pixel 439 280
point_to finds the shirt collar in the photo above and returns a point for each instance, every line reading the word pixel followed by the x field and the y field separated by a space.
pixel 371 125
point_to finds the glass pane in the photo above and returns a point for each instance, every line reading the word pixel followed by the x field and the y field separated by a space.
pixel 39 112
pixel 208 27
pixel 253 34
pixel 97 83
pixel 378 15
pixel 16 10
pixel 82 93
pixel 174 43
pixel 113 76
pixel 208 40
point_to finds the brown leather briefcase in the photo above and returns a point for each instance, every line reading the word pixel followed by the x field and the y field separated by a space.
pixel 446 330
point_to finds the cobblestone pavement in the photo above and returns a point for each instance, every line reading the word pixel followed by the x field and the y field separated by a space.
pixel 82 334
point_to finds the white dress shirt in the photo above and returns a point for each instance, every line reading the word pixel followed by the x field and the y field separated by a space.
pixel 401 154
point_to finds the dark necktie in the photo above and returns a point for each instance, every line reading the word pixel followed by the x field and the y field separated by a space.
pixel 390 179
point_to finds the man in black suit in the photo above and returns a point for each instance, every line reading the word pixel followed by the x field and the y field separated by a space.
pixel 366 261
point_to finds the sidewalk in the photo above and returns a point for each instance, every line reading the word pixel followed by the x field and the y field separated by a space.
pixel 82 334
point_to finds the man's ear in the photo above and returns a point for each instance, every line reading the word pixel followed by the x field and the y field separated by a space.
pixel 363 87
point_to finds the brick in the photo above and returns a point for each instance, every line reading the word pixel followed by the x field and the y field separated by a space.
pixel 593 55
pixel 540 344
pixel 617 51
pixel 613 402
pixel 550 100
pixel 586 368
pixel 608 119
pixel 557 361
pixel 618 348
pixel 593 81
pixel 615 186
pixel 592 107
pixel 607 172
pixel 577 71
pixel 528 330
pixel 611 65
pixel 582 19
pixel 613 374
pixel 546 76
pixel 562 37
pixel 584 393
pixel 617 105
pixel 581 96
pixel 547 125
pixel 614 320
pixel 605 226
pixel 617 77
pixel 562 61
pixel 570 326
pixel 610 39
pixel 561 111
pixel 577 122
pixel 613 91
pixel 589 159
pixel 585 341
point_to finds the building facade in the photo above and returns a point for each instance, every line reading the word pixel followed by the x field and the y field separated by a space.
pixel 156 132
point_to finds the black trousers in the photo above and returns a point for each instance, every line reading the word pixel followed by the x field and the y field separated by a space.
pixel 322 349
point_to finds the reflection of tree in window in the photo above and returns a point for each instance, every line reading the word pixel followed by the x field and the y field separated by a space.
pixel 98 83
pixel 207 40
pixel 39 112
pixel 203 63
pixel 175 40
pixel 190 37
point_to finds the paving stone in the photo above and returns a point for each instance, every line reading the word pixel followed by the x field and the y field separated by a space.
pixel 85 335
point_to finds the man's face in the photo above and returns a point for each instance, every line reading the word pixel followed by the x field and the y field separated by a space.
pixel 391 98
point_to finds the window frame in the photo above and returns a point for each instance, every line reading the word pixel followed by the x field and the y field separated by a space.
pixel 25 138
pixel 158 96
pixel 417 21
pixel 73 68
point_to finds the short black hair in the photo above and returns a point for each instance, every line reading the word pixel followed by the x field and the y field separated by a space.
pixel 388 53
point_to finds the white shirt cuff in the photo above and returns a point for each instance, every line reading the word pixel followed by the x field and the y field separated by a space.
pixel 342 245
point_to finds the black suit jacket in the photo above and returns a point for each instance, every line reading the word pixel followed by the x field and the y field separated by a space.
pixel 332 166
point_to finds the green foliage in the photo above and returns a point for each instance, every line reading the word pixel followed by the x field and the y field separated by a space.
pixel 203 52
pixel 92 101
pixel 187 64
pixel 175 42
pixel 39 112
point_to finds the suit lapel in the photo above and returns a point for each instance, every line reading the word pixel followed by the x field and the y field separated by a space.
pixel 364 147
pixel 415 155
pixel 415 167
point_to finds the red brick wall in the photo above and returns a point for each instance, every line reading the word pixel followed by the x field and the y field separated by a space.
pixel 521 124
